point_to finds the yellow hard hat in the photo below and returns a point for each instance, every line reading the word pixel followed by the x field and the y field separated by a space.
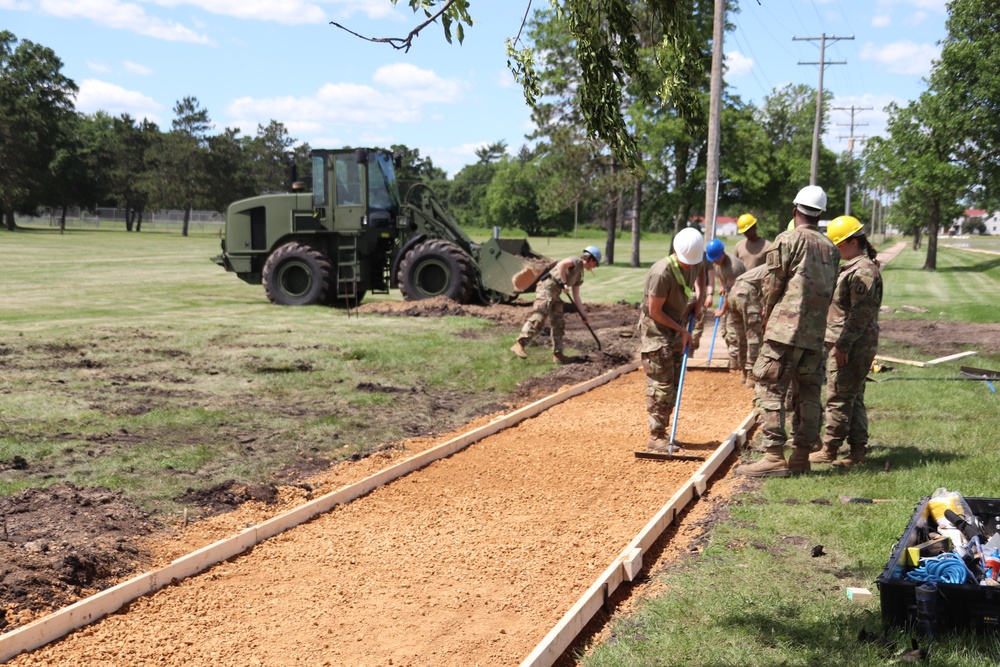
pixel 842 228
pixel 745 222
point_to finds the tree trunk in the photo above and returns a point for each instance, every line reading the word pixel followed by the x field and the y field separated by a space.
pixel 8 216
pixel 62 220
pixel 187 220
pixel 129 215
pixel 636 218
pixel 609 244
pixel 916 238
pixel 930 263
pixel 138 222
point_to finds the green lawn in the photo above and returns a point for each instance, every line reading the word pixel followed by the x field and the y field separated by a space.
pixel 756 596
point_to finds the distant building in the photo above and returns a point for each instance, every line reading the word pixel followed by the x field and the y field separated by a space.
pixel 724 225
pixel 991 223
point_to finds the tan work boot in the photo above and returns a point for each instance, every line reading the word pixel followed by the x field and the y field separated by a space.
pixel 825 455
pixel 518 349
pixel 657 442
pixel 856 456
pixel 772 465
pixel 560 358
pixel 798 460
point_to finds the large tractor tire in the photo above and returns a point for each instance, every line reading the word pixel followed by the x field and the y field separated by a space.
pixel 297 275
pixel 436 268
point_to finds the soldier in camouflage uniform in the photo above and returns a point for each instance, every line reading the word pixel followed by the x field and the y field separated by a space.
pixel 717 264
pixel 565 275
pixel 852 339
pixel 673 291
pixel 797 293
pixel 745 329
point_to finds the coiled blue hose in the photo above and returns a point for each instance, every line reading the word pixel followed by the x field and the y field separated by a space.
pixel 948 568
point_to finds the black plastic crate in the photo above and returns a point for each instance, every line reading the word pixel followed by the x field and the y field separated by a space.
pixel 958 606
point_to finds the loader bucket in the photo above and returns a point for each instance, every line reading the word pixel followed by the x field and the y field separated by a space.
pixel 509 266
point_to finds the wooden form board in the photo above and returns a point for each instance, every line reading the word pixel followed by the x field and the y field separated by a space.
pixel 95 607
pixel 923 364
pixel 624 567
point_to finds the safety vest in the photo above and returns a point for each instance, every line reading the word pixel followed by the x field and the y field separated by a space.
pixel 675 269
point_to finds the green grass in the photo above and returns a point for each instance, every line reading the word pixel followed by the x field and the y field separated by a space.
pixel 756 596
pixel 132 360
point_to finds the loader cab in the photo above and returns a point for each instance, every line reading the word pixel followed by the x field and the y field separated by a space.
pixel 358 186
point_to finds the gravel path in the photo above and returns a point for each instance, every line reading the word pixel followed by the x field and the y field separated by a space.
pixel 469 561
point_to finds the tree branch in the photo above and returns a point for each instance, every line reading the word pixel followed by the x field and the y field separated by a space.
pixel 402 43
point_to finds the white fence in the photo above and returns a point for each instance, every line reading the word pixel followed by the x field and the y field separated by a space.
pixel 114 218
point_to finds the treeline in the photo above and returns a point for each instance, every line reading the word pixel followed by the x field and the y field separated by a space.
pixel 57 158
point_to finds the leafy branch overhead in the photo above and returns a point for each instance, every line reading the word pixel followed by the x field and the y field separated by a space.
pixel 609 54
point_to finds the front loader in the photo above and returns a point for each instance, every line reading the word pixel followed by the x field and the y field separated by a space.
pixel 353 234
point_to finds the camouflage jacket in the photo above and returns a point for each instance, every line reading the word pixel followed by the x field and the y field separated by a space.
pixel 853 313
pixel 802 273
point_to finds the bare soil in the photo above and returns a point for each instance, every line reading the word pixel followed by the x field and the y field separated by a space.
pixel 466 562
pixel 937 338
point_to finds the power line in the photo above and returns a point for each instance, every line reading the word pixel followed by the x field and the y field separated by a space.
pixel 850 145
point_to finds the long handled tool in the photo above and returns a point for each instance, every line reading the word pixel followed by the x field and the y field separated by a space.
pixel 711 347
pixel 586 324
pixel 669 454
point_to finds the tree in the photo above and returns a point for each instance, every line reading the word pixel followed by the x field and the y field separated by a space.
pixel 914 160
pixel 967 79
pixel 76 174
pixel 181 159
pixel 413 168
pixel 131 164
pixel 35 102
pixel 511 198
pixel 267 157
pixel 229 169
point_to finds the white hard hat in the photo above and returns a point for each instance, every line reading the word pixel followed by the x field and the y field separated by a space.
pixel 811 200
pixel 689 245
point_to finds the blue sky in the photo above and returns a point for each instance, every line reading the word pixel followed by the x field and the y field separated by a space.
pixel 250 61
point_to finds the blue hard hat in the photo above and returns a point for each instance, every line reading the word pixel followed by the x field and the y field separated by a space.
pixel 714 250
pixel 594 252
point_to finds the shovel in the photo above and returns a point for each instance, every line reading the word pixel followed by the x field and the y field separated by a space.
pixel 596 339
pixel 669 455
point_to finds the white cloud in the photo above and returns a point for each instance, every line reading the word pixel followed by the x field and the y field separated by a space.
pixel 418 85
pixel 136 68
pixel 101 68
pixel 122 16
pixel 915 19
pixel 738 64
pixel 903 57
pixel 289 12
pixel 98 95
pixel 401 95
pixel 881 21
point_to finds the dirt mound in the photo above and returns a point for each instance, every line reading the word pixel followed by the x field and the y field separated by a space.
pixel 62 543
pixel 441 306
pixel 939 338
pixel 229 495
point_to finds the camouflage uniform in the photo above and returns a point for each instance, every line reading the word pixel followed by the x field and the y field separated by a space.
pixel 661 348
pixel 549 306
pixel 727 272
pixel 752 253
pixel 852 327
pixel 746 324
pixel 797 293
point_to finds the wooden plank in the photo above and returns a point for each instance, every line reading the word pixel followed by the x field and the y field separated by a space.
pixel 632 563
pixel 88 610
pixel 894 360
pixel 572 623
pixel 951 357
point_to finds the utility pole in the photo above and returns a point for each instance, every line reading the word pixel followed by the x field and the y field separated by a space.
pixel 850 146
pixel 714 105
pixel 814 167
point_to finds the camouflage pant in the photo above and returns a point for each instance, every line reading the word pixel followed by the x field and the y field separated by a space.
pixel 776 368
pixel 547 306
pixel 846 415
pixel 744 330
pixel 663 372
